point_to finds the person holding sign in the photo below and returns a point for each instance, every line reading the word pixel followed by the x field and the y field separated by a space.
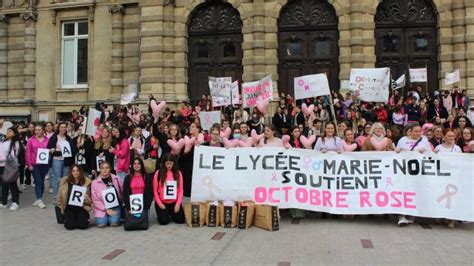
pixel 137 183
pixel 122 151
pixel 37 159
pixel 168 191
pixel 101 149
pixel 74 200
pixel 63 150
pixel 106 192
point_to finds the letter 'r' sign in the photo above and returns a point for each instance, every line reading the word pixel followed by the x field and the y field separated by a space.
pixel 77 196
pixel 170 192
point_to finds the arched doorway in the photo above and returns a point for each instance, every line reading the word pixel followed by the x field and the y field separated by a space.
pixel 308 42
pixel 214 46
pixel 406 36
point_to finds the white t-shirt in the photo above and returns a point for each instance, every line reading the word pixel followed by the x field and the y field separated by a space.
pixel 441 148
pixel 330 144
pixel 406 144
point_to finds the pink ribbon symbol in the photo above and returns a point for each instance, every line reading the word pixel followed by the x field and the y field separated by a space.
pixel 274 177
pixel 207 182
pixel 450 190
pixel 207 119
pixel 389 182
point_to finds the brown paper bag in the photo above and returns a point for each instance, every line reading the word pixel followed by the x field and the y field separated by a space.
pixel 246 214
pixel 212 214
pixel 228 215
pixel 195 213
pixel 267 217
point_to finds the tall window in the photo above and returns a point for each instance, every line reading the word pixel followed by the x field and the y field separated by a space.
pixel 74 54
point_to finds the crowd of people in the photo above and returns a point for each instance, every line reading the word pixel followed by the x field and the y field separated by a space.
pixel 140 150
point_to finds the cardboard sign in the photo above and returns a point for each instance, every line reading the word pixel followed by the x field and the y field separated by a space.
pixel 110 198
pixel 80 159
pixel 418 75
pixel 311 86
pixel 370 84
pixel 77 196
pixel 252 91
pixel 42 156
pixel 65 149
pixel 209 118
pixel 170 190
pixel 220 91
pixel 136 203
pixel 99 160
pixel 234 89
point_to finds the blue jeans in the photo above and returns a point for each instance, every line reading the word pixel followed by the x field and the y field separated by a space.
pixel 108 219
pixel 59 172
pixel 39 172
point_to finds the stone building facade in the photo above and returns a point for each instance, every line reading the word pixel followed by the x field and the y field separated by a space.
pixel 56 55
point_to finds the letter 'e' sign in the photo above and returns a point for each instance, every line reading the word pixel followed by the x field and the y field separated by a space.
pixel 170 192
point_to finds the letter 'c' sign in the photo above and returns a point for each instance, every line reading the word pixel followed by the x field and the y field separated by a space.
pixel 110 198
pixel 77 196
pixel 169 190
pixel 42 156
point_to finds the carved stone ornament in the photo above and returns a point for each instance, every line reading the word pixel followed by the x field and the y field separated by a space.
pixel 215 16
pixel 30 14
pixel 116 9
pixel 307 13
pixel 398 11
pixel 170 2
pixel 4 18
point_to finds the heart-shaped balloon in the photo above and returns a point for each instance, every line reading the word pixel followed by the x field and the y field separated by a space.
pixel 226 133
pixel 308 142
pixel 307 110
pixel 230 143
pixel 199 139
pixel 176 146
pixel 188 143
pixel 198 109
pixel 246 142
pixel 157 108
pixel 262 106
pixel 256 137
pixel 286 141
pixel 379 145
pixel 349 147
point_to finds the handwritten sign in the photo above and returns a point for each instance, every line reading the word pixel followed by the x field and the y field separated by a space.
pixel 220 91
pixel 311 86
pixel 209 118
pixel 453 77
pixel 252 91
pixel 370 84
pixel 418 75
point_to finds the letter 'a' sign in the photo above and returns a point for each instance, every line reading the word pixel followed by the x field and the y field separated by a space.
pixel 170 192
pixel 136 203
pixel 42 156
pixel 77 196
pixel 65 149
pixel 110 198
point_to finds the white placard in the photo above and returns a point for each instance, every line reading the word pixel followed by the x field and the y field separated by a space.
pixel 220 91
pixel 136 203
pixel 84 125
pixel 42 156
pixel 418 75
pixel 208 119
pixel 65 149
pixel 99 160
pixel 311 86
pixel 110 198
pixel 345 84
pixel 93 121
pixel 80 159
pixel 170 190
pixel 127 98
pixel 77 196
pixel 43 117
pixel 453 77
pixel 370 84
pixel 252 91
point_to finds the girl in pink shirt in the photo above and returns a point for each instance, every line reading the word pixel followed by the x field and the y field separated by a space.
pixel 137 183
pixel 168 191
pixel 122 151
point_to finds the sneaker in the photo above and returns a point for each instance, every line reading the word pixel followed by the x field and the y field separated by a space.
pixel 33 185
pixel 35 204
pixel 41 204
pixel 14 207
pixel 402 221
pixel 50 190
pixel 3 206
pixel 46 177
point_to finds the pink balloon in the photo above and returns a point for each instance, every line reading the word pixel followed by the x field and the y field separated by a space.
pixel 262 105
pixel 308 142
pixel 225 133
pixel 379 145
pixel 157 108
pixel 175 146
pixel 256 137
pixel 188 143
pixel 286 141
pixel 230 143
pixel 199 139
pixel 349 147
pixel 246 143
pixel 198 109
pixel 307 110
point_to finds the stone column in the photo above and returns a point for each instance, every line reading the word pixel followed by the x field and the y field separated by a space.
pixel 30 17
pixel 469 20
pixel 3 56
pixel 445 33
pixel 117 49
pixel 172 73
pixel 459 43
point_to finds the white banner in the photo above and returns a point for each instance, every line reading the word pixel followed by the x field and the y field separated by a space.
pixel 76 198
pixel 453 77
pixel 410 183
pixel 370 84
pixel 418 75
pixel 234 89
pixel 311 86
pixel 208 119
pixel 127 98
pixel 220 91
pixel 93 121
pixel 254 90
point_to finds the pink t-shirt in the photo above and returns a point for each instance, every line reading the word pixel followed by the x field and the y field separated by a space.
pixel 137 185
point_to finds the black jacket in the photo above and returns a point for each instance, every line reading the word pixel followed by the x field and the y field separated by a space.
pixel 147 194
pixel 68 161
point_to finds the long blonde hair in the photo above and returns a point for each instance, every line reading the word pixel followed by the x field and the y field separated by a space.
pixel 104 143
